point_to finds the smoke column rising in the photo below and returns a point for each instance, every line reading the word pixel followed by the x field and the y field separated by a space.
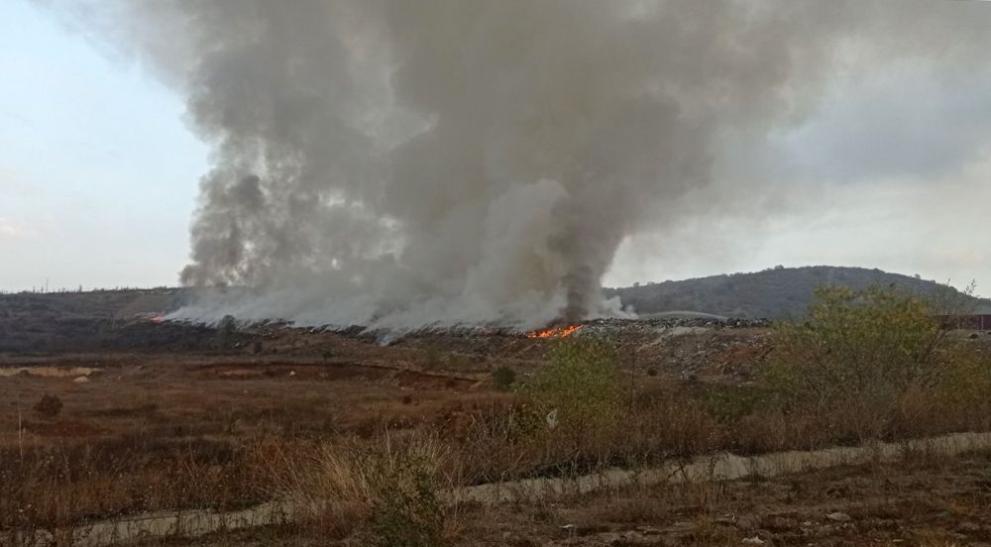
pixel 396 163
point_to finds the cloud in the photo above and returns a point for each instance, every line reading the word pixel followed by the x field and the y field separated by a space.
pixel 933 227
pixel 911 119
pixel 13 230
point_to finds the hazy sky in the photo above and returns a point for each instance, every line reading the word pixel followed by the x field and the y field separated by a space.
pixel 99 176
pixel 98 173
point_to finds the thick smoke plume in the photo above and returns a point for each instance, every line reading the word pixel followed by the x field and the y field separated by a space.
pixel 401 163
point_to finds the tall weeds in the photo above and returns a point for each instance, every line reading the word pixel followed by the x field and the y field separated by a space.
pixel 388 491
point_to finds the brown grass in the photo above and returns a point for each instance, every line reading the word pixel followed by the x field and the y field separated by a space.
pixel 64 484
pixel 388 490
pixel 342 440
pixel 335 477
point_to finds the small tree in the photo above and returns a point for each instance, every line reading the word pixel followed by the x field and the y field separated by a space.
pixel 857 356
pixel 504 378
pixel 578 390
pixel 878 340
pixel 226 329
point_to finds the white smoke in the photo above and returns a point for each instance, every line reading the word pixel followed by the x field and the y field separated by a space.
pixel 399 163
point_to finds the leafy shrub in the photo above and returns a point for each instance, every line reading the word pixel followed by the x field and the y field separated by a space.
pixel 407 510
pixel 578 390
pixel 563 422
pixel 965 387
pixel 861 356
pixel 729 403
pixel 852 344
pixel 49 406
pixel 504 378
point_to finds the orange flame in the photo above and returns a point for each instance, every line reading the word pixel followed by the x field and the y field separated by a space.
pixel 555 332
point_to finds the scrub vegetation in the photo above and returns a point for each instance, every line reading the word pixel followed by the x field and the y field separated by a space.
pixel 368 440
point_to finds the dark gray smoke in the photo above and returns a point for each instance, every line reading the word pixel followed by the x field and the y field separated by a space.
pixel 410 162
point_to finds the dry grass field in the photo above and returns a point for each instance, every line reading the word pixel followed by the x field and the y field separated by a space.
pixel 170 417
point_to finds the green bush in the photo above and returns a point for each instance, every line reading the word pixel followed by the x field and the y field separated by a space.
pixel 578 390
pixel 49 406
pixel 504 378
pixel 873 344
pixel 407 510
pixel 863 358
pixel 729 403
pixel 966 384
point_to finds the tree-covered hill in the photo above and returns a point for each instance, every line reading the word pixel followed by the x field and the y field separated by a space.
pixel 775 293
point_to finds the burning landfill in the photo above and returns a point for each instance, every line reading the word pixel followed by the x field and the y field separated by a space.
pixel 397 164
pixel 681 345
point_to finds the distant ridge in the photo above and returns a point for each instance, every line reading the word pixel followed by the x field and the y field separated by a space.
pixel 776 293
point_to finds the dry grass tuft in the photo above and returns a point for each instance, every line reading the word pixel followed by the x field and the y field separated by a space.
pixel 388 491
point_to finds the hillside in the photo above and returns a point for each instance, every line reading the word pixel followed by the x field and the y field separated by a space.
pixel 776 293
pixel 95 320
